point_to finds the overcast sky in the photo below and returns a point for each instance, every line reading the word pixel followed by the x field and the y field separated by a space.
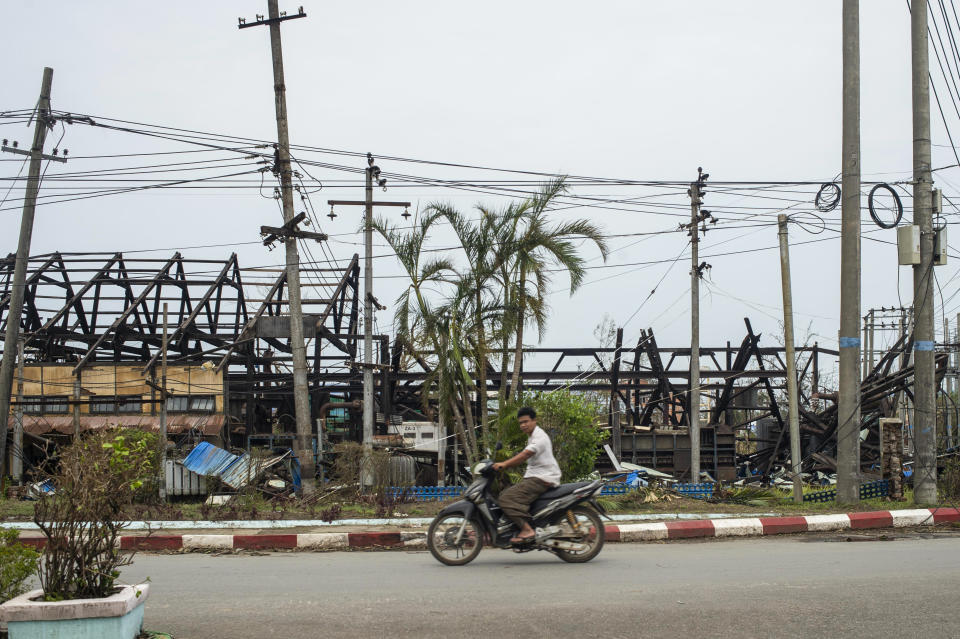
pixel 750 90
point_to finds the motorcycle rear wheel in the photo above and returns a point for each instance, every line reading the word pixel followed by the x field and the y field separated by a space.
pixel 586 516
pixel 441 540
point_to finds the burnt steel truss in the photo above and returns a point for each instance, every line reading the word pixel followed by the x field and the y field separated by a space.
pixel 89 309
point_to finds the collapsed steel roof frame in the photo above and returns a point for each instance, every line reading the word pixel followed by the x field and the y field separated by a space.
pixel 85 309
pixel 92 308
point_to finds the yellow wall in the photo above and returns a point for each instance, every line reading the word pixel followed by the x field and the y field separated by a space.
pixel 122 379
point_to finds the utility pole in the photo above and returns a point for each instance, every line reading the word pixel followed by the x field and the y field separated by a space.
pixel 925 426
pixel 848 428
pixel 366 476
pixel 696 193
pixel 15 308
pixel 77 389
pixel 301 398
pixel 16 463
pixel 372 175
pixel 163 408
pixel 955 396
pixel 947 381
pixel 791 359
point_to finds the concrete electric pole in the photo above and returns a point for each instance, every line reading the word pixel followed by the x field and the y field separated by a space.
pixel 848 424
pixel 696 193
pixel 15 307
pixel 791 359
pixel 372 175
pixel 301 397
pixel 164 344
pixel 925 426
pixel 16 462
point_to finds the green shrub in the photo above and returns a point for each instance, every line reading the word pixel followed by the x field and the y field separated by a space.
pixel 97 480
pixel 949 481
pixel 17 563
pixel 569 418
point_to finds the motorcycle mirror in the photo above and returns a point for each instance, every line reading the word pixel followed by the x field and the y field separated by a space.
pixel 499 446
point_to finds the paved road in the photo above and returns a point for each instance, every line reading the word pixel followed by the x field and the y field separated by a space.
pixel 788 587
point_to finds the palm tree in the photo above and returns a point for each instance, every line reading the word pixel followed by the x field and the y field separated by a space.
pixel 456 314
pixel 476 291
pixel 536 245
pixel 417 319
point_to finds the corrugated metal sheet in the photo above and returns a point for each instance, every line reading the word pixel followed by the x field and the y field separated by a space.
pixel 246 469
pixel 235 471
pixel 207 459
pixel 182 481
pixel 63 424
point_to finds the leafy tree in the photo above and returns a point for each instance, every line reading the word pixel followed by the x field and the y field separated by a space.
pixel 571 421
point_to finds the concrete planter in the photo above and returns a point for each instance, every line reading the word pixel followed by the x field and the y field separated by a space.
pixel 119 616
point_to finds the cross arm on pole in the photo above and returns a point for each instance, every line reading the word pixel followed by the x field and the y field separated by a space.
pixel 289 230
pixel 261 20
pixel 364 203
pixel 43 156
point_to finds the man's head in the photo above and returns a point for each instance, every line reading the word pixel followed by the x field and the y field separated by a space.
pixel 527 418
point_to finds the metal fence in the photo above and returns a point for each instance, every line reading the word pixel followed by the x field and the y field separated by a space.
pixel 697 491
pixel 870 490
pixel 440 493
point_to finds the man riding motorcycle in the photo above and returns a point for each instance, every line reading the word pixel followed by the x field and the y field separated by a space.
pixel 543 473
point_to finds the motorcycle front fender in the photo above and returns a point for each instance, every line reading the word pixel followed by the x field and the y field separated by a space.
pixel 463 507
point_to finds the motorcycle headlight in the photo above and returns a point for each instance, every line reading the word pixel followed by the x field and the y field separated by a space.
pixel 479 467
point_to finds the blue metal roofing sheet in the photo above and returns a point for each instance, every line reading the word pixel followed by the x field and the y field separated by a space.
pixel 207 459
pixel 235 471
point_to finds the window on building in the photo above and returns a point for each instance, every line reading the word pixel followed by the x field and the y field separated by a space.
pixel 102 405
pixel 131 404
pixel 202 403
pixel 191 404
pixel 122 404
pixel 58 404
pixel 38 405
pixel 178 404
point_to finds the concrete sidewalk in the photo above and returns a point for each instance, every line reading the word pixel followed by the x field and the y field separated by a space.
pixel 351 537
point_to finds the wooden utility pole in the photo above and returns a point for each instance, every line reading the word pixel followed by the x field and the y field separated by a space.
pixel 848 428
pixel 301 398
pixel 77 389
pixel 15 307
pixel 925 424
pixel 696 193
pixel 163 408
pixel 791 359
pixel 372 176
pixel 16 462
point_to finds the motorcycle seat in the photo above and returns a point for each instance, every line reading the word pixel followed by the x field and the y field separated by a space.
pixel 562 489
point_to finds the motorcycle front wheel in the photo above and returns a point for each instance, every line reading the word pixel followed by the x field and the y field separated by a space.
pixel 589 522
pixel 442 539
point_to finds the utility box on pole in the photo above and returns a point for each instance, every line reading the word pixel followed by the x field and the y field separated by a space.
pixel 940 246
pixel 908 245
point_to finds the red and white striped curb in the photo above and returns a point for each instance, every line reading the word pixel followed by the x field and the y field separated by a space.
pixel 753 526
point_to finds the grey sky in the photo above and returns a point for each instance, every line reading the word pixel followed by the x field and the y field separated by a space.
pixel 638 90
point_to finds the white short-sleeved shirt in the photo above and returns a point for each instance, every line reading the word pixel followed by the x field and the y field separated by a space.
pixel 542 465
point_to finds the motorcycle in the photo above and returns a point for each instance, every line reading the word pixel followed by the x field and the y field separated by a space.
pixel 566 519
